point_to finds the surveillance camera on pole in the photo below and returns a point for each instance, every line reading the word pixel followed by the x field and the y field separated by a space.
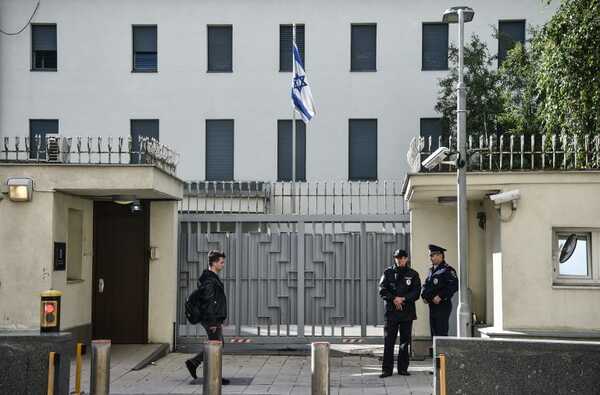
pixel 506 197
pixel 439 157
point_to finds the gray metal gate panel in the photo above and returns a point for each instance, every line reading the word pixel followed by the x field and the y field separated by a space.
pixel 291 279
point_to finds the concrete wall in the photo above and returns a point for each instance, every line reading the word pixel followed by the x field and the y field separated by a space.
pixel 515 367
pixel 94 92
pixel 163 272
pixel 77 293
pixel 26 251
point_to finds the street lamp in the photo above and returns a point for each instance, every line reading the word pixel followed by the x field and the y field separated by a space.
pixel 461 15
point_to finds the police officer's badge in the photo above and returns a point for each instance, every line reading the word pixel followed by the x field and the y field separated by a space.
pixel 435 281
pixel 408 280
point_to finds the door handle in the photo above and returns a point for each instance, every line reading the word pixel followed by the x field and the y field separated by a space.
pixel 101 285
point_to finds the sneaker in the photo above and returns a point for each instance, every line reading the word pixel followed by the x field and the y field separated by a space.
pixel 403 373
pixel 191 367
pixel 225 381
pixel 385 374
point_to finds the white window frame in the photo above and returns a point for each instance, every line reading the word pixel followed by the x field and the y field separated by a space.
pixel 593 239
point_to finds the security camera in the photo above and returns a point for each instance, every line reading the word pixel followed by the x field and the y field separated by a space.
pixel 506 197
pixel 436 158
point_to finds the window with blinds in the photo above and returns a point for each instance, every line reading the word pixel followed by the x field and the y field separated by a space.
pixel 219 150
pixel 284 150
pixel 432 127
pixel 145 55
pixel 142 128
pixel 285 46
pixel 220 49
pixel 40 128
pixel 363 52
pixel 43 47
pixel 509 33
pixel 435 46
pixel 362 156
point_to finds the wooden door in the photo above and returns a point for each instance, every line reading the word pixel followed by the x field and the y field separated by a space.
pixel 120 288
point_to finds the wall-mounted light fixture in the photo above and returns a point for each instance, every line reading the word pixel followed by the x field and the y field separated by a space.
pixel 123 199
pixel 18 189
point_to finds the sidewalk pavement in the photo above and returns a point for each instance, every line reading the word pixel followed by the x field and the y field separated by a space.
pixel 268 374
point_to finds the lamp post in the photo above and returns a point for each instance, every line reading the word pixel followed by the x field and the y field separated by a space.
pixel 461 15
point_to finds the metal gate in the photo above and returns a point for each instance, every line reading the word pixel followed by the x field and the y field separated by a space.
pixel 289 277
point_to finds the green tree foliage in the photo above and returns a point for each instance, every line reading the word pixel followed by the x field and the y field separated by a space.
pixel 484 94
pixel 568 73
pixel 550 85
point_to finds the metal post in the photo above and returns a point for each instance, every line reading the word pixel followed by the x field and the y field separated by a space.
pixel 293 194
pixel 78 369
pixel 238 278
pixel 100 369
pixel 363 279
pixel 464 309
pixel 213 364
pixel 51 372
pixel 319 367
pixel 300 268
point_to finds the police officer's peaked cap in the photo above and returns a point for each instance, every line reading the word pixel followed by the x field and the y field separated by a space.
pixel 400 254
pixel 434 248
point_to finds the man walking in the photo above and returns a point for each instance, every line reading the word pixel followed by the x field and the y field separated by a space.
pixel 214 306
pixel 399 287
pixel 440 285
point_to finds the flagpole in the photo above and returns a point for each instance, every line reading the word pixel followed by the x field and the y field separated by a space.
pixel 293 125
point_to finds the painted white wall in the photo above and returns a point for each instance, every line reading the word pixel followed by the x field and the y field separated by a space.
pixel 518 251
pixel 76 301
pixel 529 299
pixel 162 300
pixel 94 92
pixel 26 251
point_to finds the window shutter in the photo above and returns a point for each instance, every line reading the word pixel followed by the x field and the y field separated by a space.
pixel 220 48
pixel 284 150
pixel 509 33
pixel 431 127
pixel 285 46
pixel 144 128
pixel 363 149
pixel 42 128
pixel 219 150
pixel 144 39
pixel 363 48
pixel 435 46
pixel 44 37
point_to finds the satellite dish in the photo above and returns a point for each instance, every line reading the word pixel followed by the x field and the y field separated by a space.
pixel 568 248
pixel 413 156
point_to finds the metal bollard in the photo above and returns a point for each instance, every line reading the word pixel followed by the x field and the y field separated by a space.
pixel 100 369
pixel 213 364
pixel 78 368
pixel 319 367
pixel 51 372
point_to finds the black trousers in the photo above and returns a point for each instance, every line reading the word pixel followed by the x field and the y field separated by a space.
pixel 439 317
pixel 216 335
pixel 390 332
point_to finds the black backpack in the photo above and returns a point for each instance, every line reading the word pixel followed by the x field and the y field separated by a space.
pixel 194 308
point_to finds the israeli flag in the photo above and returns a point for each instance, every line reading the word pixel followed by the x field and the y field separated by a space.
pixel 301 94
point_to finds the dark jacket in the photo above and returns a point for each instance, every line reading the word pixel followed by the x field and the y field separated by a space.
pixel 213 299
pixel 404 282
pixel 443 282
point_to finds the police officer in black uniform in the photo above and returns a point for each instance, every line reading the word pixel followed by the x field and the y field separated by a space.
pixel 440 285
pixel 399 287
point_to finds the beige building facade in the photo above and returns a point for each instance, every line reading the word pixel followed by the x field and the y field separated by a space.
pixel 517 285
pixel 64 210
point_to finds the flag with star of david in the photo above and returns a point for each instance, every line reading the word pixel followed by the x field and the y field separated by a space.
pixel 301 94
